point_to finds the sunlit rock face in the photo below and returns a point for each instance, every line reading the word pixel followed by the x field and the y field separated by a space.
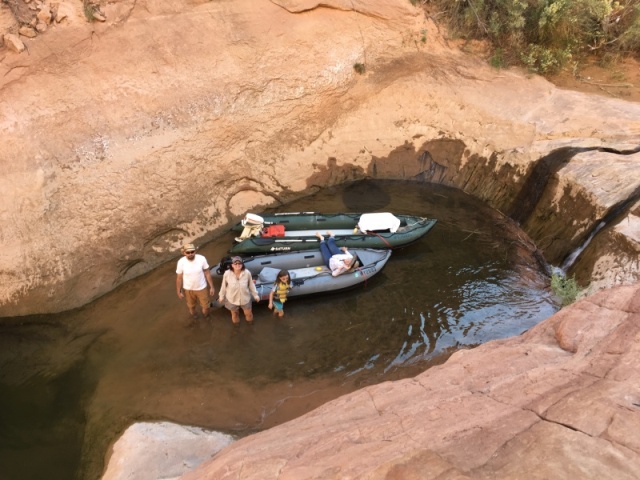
pixel 162 450
pixel 124 138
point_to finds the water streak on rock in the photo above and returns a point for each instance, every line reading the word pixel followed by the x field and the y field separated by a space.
pixel 616 213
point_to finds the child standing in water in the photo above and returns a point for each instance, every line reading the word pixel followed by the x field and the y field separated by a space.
pixel 279 292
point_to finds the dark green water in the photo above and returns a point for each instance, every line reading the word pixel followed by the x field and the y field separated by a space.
pixel 71 383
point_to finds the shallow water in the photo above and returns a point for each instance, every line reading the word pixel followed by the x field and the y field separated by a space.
pixel 71 383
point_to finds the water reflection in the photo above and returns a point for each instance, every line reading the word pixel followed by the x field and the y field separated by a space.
pixel 70 383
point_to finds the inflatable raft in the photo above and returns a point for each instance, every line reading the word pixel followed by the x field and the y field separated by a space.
pixel 308 273
pixel 284 232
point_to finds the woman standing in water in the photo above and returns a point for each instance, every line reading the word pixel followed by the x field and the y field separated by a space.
pixel 236 291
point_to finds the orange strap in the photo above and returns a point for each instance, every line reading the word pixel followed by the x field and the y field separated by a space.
pixel 381 238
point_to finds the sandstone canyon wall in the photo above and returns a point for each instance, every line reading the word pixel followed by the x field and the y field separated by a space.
pixel 124 138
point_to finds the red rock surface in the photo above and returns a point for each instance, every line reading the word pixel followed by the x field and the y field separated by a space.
pixel 106 123
pixel 560 401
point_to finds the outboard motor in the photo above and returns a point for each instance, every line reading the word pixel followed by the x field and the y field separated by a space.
pixel 225 264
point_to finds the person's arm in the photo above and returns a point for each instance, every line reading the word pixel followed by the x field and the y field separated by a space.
pixel 273 291
pixel 223 287
pixel 207 275
pixel 252 287
pixel 179 286
pixel 339 270
pixel 346 251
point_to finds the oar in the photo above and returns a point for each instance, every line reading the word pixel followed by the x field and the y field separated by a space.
pixel 269 241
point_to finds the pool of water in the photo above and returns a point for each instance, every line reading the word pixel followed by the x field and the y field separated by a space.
pixel 70 383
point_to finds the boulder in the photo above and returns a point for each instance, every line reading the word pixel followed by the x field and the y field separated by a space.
pixel 28 32
pixel 13 43
pixel 64 10
pixel 44 15
pixel 154 451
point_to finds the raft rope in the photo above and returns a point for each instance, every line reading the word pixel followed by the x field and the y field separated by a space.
pixel 385 240
pixel 381 238
pixel 366 277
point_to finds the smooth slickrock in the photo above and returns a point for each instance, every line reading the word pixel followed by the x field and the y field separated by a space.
pixel 560 401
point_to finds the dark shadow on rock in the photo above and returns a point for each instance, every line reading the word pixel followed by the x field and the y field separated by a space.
pixel 531 192
pixel 613 216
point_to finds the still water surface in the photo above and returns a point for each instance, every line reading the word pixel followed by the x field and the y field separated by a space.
pixel 71 383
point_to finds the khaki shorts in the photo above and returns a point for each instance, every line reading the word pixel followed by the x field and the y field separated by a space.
pixel 234 308
pixel 197 296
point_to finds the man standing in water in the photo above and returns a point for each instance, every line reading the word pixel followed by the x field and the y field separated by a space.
pixel 192 280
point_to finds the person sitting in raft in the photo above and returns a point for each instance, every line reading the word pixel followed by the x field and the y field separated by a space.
pixel 339 260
